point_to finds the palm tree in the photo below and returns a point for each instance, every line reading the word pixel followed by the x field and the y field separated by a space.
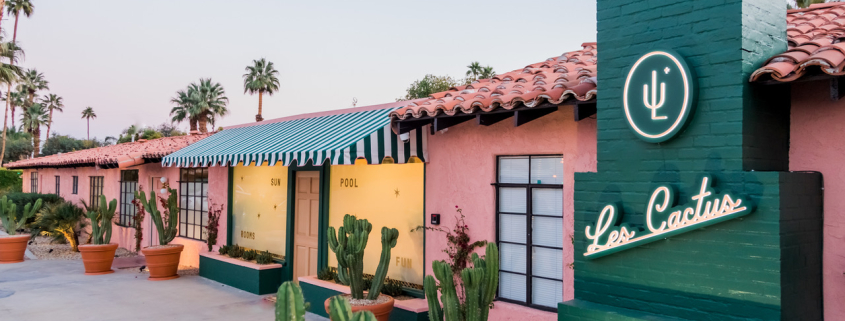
pixel 15 7
pixel 32 120
pixel 487 73
pixel 30 83
pixel 185 107
pixel 53 102
pixel 88 113
pixel 9 73
pixel 474 70
pixel 17 100
pixel 211 103
pixel 261 78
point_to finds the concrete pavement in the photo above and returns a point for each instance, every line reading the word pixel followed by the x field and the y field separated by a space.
pixel 46 289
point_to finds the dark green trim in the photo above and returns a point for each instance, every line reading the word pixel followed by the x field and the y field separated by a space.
pixel 241 277
pixel 425 217
pixel 322 248
pixel 229 218
pixel 318 295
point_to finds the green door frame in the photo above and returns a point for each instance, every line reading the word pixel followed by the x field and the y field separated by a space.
pixel 322 248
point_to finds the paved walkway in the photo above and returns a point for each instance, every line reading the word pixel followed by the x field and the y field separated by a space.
pixel 59 290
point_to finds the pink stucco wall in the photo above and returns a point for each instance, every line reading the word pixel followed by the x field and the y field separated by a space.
pixel 462 168
pixel 817 144
pixel 125 236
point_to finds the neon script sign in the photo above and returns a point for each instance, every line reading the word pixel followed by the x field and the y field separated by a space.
pixel 659 96
pixel 706 208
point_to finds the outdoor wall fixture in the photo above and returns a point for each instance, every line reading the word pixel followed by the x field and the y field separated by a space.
pixel 435 219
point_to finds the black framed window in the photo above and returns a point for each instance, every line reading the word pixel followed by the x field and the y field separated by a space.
pixel 58 184
pixel 529 224
pixel 33 182
pixel 75 187
pixel 193 202
pixel 96 189
pixel 128 186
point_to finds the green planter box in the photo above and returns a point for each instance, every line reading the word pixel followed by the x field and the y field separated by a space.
pixel 250 277
pixel 317 291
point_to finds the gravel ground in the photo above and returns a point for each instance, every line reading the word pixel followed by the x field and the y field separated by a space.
pixel 45 249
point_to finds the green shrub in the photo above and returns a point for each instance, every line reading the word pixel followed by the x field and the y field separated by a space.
pixel 21 199
pixel 327 274
pixel 63 222
pixel 392 288
pixel 236 251
pixel 224 249
pixel 264 258
pixel 10 181
pixel 249 255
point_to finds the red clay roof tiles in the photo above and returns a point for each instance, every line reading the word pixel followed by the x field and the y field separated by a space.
pixel 110 156
pixel 569 76
pixel 813 36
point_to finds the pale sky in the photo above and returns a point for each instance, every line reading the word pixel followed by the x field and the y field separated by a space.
pixel 126 59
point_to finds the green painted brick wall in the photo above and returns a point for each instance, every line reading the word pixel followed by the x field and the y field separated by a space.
pixel 739 134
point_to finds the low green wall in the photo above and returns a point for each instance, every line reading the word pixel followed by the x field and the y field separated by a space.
pixel 241 277
pixel 317 296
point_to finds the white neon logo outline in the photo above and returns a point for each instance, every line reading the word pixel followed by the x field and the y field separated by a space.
pixel 684 108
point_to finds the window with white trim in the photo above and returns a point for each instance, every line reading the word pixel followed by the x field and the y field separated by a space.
pixel 529 223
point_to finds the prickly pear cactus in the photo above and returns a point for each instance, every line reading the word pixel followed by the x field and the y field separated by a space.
pixel 9 212
pixel 340 310
pixel 480 284
pixel 290 305
pixel 101 221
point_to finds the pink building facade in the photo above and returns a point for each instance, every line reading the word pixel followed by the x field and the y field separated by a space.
pixel 77 184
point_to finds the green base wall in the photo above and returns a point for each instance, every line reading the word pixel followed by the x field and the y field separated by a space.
pixel 241 277
pixel 318 295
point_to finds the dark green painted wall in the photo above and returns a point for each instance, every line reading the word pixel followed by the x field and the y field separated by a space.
pixel 250 280
pixel 742 269
pixel 317 296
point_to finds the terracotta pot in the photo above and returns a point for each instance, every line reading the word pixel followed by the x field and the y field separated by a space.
pixel 381 311
pixel 163 261
pixel 12 248
pixel 98 258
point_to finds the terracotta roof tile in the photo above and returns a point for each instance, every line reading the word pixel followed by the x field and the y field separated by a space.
pixel 568 76
pixel 112 156
pixel 815 44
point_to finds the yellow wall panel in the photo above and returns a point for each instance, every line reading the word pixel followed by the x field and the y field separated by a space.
pixel 259 208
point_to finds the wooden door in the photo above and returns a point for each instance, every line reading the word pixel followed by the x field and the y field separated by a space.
pixel 306 222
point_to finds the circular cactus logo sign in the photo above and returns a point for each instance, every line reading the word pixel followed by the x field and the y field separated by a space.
pixel 659 96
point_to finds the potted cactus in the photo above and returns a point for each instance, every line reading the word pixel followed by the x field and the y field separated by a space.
pixel 348 243
pixel 13 246
pixel 480 284
pixel 99 255
pixel 291 306
pixel 162 259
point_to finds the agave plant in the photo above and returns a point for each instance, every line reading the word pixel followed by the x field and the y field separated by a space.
pixel 62 222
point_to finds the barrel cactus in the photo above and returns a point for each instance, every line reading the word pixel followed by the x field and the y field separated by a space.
pixel 340 310
pixel 165 224
pixel 348 244
pixel 101 218
pixel 290 305
pixel 480 284
pixel 9 212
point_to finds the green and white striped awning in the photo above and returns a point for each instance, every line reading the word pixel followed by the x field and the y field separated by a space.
pixel 338 139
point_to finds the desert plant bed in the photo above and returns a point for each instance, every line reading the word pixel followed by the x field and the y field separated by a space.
pixel 45 248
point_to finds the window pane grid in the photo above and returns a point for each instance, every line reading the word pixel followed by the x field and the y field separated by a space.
pixel 75 187
pixel 58 185
pixel 193 205
pixel 532 264
pixel 96 190
pixel 33 182
pixel 128 186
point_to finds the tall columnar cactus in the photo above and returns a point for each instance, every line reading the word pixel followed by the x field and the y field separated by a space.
pixel 9 213
pixel 340 310
pixel 290 305
pixel 166 226
pixel 348 244
pixel 101 219
pixel 480 284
